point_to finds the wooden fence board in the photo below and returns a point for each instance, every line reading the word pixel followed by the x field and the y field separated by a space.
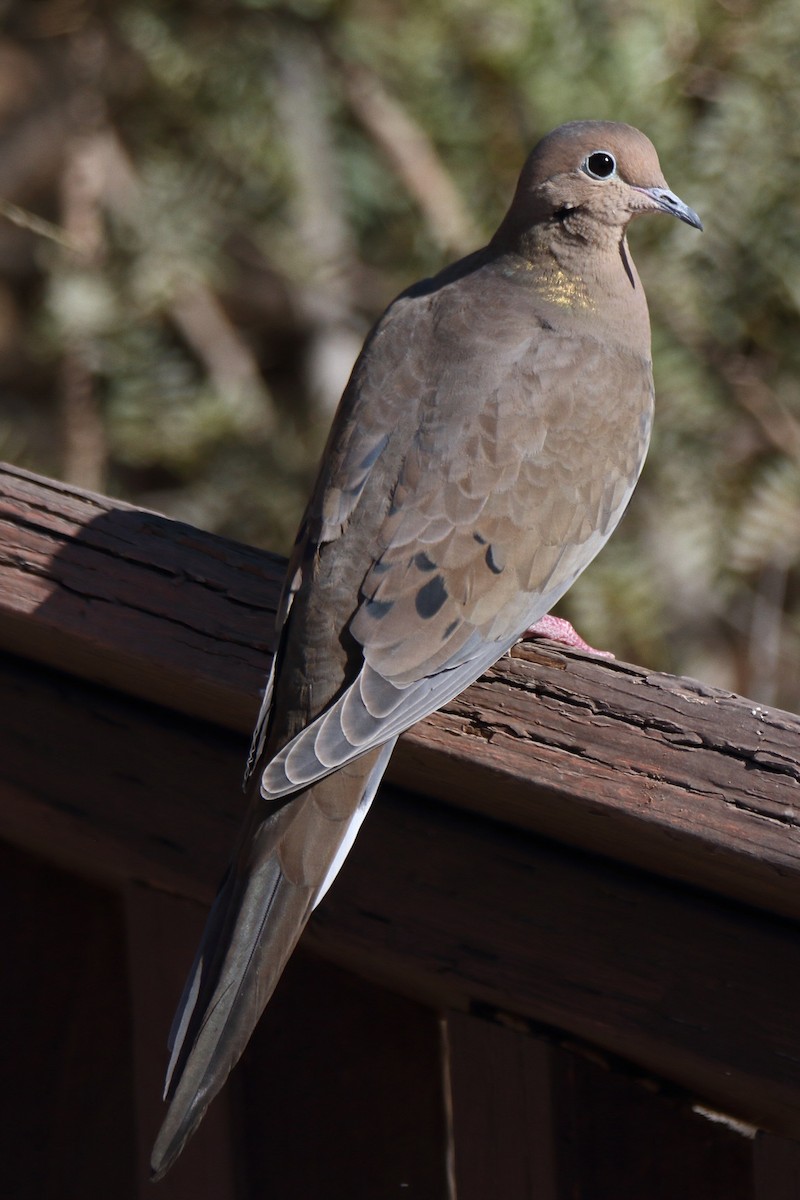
pixel 684 780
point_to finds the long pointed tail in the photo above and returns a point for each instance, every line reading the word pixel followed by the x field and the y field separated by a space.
pixel 285 863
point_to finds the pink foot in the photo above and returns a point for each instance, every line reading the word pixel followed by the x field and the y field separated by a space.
pixel 559 630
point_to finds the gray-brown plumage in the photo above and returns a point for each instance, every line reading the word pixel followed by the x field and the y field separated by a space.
pixel 486 446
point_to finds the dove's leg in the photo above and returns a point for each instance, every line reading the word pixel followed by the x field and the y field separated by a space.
pixel 559 630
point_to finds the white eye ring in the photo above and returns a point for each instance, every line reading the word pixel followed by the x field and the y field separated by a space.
pixel 600 164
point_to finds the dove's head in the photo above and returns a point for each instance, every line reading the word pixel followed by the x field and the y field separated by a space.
pixel 587 180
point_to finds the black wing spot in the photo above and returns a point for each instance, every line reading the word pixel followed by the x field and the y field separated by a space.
pixel 491 561
pixel 431 597
pixel 480 540
pixel 423 563
pixel 378 609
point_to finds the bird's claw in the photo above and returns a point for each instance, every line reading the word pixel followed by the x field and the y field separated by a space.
pixel 557 629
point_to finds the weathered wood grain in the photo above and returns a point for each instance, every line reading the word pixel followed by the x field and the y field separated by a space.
pixel 127 598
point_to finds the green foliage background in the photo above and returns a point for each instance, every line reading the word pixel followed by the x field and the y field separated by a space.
pixel 244 185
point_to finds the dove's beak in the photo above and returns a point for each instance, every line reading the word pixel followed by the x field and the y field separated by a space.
pixel 666 201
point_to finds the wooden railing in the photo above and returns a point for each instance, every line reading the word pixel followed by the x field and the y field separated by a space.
pixel 576 861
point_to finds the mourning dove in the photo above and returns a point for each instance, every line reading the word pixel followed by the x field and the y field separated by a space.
pixel 486 446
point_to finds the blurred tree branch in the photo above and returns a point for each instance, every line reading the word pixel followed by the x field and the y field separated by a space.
pixel 413 157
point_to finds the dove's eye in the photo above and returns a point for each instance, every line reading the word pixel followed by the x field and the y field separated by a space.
pixel 599 164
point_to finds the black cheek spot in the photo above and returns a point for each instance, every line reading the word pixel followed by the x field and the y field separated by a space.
pixel 493 566
pixel 431 597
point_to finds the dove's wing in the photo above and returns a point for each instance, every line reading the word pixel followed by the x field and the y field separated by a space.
pixel 460 498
